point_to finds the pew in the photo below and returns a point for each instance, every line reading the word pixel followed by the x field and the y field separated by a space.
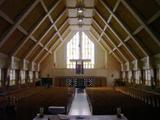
pixel 148 97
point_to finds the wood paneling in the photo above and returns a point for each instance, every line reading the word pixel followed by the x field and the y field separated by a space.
pixel 145 8
pixel 126 53
pixel 127 18
pixel 113 38
pixel 96 28
pixel 40 56
pixel 135 48
pixel 33 18
pixel 102 10
pixel 50 3
pixel 14 8
pixel 12 42
pixel 118 29
pixel 110 3
pixel 61 20
pixel 26 48
pixel 34 53
pixel 108 41
pixel 58 10
pixel 42 29
pixel 52 42
pixel 4 26
pixel 119 56
pixel 99 21
pixel 63 29
pixel 148 42
pixel 48 36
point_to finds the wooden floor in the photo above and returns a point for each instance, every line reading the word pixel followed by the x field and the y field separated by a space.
pixel 106 100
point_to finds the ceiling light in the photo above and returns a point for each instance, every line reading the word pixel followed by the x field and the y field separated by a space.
pixel 80 19
pixel 80 10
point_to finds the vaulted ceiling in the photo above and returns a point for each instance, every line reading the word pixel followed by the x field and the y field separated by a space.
pixel 32 29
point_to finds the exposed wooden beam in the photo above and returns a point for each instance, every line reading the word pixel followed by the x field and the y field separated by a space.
pixel 43 58
pixel 68 37
pixel 4 16
pixel 124 27
pixel 47 43
pixel 20 28
pixel 137 30
pixel 96 34
pixel 109 19
pixel 35 58
pixel 127 38
pixel 154 17
pixel 90 37
pixel 63 25
pixel 102 31
pixel 51 49
pixel 107 47
pixel 33 38
pixel 53 26
pixel 116 47
pixel 65 39
pixel 35 28
pixel 117 58
pixel 48 13
pixel 121 42
pixel 21 18
pixel 116 6
pixel 137 16
pixel 32 49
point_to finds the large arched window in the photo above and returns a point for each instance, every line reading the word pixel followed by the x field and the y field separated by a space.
pixel 73 51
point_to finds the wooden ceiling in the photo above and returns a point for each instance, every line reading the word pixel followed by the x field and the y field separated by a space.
pixel 32 29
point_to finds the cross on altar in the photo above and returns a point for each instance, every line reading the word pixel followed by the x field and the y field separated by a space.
pixel 79 65
pixel 80 61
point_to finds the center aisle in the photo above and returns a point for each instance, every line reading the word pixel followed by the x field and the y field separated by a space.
pixel 80 105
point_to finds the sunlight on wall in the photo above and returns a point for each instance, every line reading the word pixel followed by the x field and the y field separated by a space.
pixel 88 51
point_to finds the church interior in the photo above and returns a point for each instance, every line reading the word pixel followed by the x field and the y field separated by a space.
pixel 79 59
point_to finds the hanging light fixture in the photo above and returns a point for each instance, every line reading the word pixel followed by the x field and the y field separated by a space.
pixel 80 9
pixel 80 6
pixel 80 19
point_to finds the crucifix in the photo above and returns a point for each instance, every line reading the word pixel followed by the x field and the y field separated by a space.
pixel 80 61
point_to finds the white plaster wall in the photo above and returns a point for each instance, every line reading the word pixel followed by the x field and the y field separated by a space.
pixel 105 65
pixel 47 67
pixel 114 68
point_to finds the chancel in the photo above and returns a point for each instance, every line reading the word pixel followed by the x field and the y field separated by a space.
pixel 79 62
pixel 79 59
